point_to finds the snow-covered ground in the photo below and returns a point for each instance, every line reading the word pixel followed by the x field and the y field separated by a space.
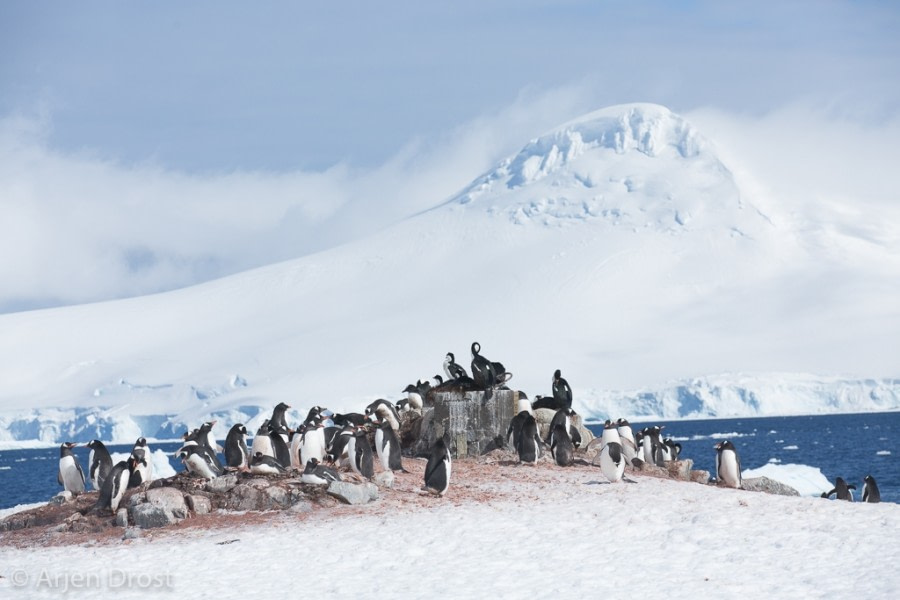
pixel 619 248
pixel 514 532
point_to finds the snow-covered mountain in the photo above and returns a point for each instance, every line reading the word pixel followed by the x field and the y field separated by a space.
pixel 618 248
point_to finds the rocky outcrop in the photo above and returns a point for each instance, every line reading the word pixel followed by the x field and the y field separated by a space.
pixel 769 486
pixel 353 493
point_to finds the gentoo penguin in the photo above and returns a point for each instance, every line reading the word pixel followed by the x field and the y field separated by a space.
pixel 671 449
pixel 626 439
pixel 99 463
pixel 312 442
pixel 318 474
pixel 610 433
pixel 651 445
pixel 280 446
pixel 356 419
pixel 70 475
pixel 562 417
pixel 196 459
pixel 841 490
pixel 277 423
pixel 142 471
pixel 529 446
pixel 359 451
pixel 137 465
pixel 561 446
pixel 387 446
pixel 263 464
pixel 562 393
pixel 437 471
pixel 262 443
pixel 870 490
pixel 402 406
pixel 413 397
pixel 514 431
pixel 207 440
pixel 294 440
pixel 384 410
pixel 728 464
pixel 237 456
pixel 453 370
pixel 612 461
pixel 115 485
pixel 341 441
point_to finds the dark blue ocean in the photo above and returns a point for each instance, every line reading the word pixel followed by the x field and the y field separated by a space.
pixel 848 446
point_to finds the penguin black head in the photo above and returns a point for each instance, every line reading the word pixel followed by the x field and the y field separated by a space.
pixel 476 348
pixel 556 375
pixel 94 444
pixel 451 357
pixel 410 388
pixel 282 406
pixel 140 442
pixel 65 448
pixel 622 423
pixel 724 445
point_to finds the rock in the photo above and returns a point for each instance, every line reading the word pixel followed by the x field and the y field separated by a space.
pixel 544 416
pixel 132 533
pixel 148 516
pixel 466 421
pixel 700 476
pixel 648 469
pixel 769 486
pixel 353 493
pixel 223 483
pixel 136 498
pixel 680 469
pixel 62 497
pixel 122 517
pixel 169 499
pixel 385 479
pixel 258 495
pixel 199 505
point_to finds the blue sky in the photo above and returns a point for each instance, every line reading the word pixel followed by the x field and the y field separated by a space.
pixel 303 112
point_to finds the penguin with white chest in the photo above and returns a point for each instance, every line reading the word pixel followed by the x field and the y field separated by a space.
pixel 870 490
pixel 262 443
pixel 312 442
pixel 115 486
pixel 99 463
pixel 263 464
pixel 359 451
pixel 197 461
pixel 612 461
pixel 438 468
pixel 318 474
pixel 143 469
pixel 728 464
pixel 387 447
pixel 626 438
pixel 70 475
pixel 384 410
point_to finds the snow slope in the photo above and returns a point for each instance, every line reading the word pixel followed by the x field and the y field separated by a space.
pixel 684 540
pixel 618 248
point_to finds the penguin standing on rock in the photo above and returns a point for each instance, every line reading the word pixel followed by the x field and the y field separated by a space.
pixel 142 472
pixel 99 463
pixel 870 490
pixel 387 446
pixel 197 461
pixel 114 486
pixel 487 374
pixel 237 456
pixel 437 471
pixel 359 451
pixel 312 442
pixel 70 475
pixel 262 443
pixel 728 464
pixel 841 490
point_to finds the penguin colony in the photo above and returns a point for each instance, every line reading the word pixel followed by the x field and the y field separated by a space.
pixel 326 443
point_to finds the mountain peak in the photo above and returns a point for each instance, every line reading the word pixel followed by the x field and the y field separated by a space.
pixel 635 164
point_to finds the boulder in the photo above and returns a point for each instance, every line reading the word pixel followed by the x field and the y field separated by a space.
pixel 769 486
pixel 148 516
pixel 199 505
pixel 680 469
pixel 169 499
pixel 223 483
pixel 700 476
pixel 385 479
pixel 353 493
pixel 122 517
pixel 62 497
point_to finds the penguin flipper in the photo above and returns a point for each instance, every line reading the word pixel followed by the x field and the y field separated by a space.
pixel 59 477
pixel 81 473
